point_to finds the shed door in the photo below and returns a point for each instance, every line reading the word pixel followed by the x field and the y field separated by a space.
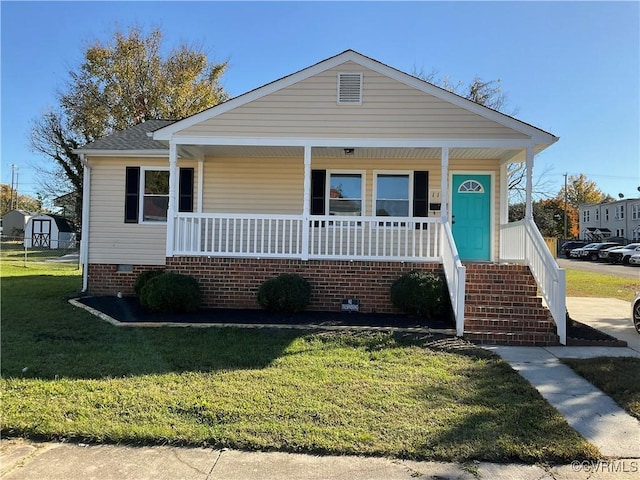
pixel 41 233
pixel 471 216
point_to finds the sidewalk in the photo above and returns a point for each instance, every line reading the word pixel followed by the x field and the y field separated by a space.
pixel 586 409
pixel 23 460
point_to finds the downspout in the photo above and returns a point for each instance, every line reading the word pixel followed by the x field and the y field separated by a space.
pixel 84 240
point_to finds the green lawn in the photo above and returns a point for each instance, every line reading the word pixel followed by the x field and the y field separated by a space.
pixel 618 377
pixel 590 284
pixel 66 374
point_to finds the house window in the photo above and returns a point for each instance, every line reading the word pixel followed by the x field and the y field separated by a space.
pixel 585 216
pixel 146 196
pixel 345 194
pixel 606 214
pixel 620 232
pixel 619 212
pixel 392 195
pixel 597 212
pixel 471 186
pixel 635 211
pixel 154 195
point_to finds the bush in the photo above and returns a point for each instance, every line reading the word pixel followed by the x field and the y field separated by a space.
pixel 171 292
pixel 418 293
pixel 143 278
pixel 286 293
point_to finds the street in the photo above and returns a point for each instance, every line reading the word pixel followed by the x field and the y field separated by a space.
pixel 625 271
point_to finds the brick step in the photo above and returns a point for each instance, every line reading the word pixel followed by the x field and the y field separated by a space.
pixel 531 303
pixel 508 288
pixel 503 325
pixel 507 338
pixel 507 300
pixel 506 311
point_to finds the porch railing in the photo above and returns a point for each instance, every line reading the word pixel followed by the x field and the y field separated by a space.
pixel 327 237
pixel 522 242
pixel 456 275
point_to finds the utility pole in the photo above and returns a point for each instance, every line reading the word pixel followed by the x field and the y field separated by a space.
pixel 565 207
pixel 13 187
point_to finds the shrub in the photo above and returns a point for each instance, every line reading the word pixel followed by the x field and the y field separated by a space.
pixel 171 292
pixel 286 293
pixel 143 278
pixel 418 293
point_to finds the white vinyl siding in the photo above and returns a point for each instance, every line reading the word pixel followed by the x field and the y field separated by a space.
pixel 390 109
pixel 112 241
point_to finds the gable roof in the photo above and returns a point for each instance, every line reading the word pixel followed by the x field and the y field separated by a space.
pixel 134 138
pixel 538 135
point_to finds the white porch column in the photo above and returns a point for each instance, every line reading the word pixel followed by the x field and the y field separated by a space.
pixel 84 240
pixel 200 183
pixel 444 185
pixel 306 202
pixel 529 185
pixel 504 193
pixel 173 192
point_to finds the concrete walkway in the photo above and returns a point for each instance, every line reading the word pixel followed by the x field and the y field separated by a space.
pixel 586 408
pixel 23 460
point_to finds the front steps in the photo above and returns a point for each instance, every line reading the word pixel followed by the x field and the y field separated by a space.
pixel 502 307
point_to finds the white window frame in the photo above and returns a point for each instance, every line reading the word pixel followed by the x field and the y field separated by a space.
pixel 143 174
pixel 620 232
pixel 619 215
pixel 363 180
pixel 597 214
pixel 586 216
pixel 374 196
pixel 635 211
pixel 606 214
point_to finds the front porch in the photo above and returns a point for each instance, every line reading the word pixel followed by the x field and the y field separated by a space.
pixel 360 257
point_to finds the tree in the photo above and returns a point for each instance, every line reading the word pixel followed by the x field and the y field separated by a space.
pixel 582 190
pixel 22 202
pixel 548 216
pixel 119 84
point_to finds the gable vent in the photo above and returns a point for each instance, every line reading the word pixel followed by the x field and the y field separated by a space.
pixel 349 88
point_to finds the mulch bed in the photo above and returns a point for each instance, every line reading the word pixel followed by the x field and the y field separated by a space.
pixel 129 310
pixel 579 334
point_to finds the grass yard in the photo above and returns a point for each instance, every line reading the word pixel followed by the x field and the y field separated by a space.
pixel 589 284
pixel 66 374
pixel 618 377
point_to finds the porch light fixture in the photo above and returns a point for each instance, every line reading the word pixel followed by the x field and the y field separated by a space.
pixel 349 151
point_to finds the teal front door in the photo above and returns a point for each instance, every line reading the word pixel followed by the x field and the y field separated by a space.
pixel 471 215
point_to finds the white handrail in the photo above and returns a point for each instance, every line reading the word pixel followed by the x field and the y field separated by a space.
pixel 522 242
pixel 455 274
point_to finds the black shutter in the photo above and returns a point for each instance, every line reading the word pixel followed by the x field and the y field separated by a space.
pixel 420 194
pixel 185 190
pixel 318 186
pixel 131 194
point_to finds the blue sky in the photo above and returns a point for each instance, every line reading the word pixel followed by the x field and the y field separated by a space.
pixel 569 68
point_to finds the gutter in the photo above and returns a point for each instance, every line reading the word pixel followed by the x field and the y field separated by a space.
pixel 84 241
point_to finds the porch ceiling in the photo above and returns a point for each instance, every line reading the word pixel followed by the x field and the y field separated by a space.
pixel 245 151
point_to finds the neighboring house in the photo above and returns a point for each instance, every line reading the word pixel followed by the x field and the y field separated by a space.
pixel 13 223
pixel 348 172
pixel 619 219
pixel 67 203
pixel 49 231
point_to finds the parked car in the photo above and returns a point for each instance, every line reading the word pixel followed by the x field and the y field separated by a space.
pixel 591 251
pixel 604 253
pixel 623 254
pixel 635 312
pixel 566 247
pixel 577 252
pixel 635 259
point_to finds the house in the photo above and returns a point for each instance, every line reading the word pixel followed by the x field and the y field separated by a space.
pixel 13 223
pixel 619 219
pixel 67 204
pixel 348 172
pixel 49 231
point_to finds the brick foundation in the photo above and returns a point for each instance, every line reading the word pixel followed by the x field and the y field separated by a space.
pixel 234 282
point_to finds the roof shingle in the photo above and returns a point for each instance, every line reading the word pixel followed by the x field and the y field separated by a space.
pixel 134 138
